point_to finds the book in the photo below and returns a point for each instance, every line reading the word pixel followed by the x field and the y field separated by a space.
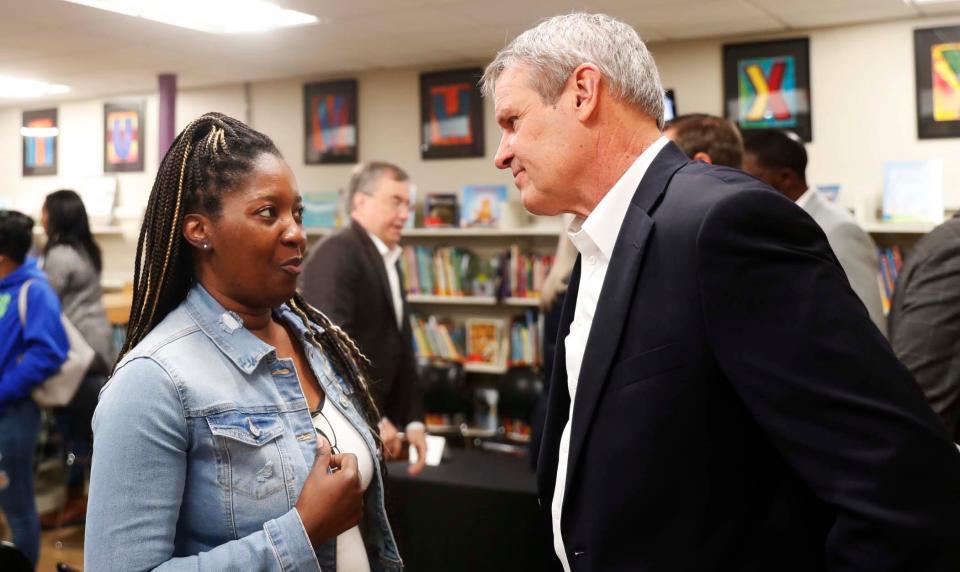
pixel 482 205
pixel 913 191
pixel 484 340
pixel 440 210
pixel 321 209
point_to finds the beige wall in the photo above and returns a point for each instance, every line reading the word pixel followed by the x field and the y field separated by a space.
pixel 863 115
pixel 862 84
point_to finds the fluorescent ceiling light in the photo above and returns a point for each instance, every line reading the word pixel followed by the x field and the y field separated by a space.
pixel 214 16
pixel 922 2
pixel 15 88
pixel 39 131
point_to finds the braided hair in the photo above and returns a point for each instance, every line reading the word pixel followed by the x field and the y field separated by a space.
pixel 212 156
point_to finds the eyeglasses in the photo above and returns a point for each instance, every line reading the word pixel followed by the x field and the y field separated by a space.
pixel 325 429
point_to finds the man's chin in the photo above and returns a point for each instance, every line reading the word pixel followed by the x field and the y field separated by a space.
pixel 537 204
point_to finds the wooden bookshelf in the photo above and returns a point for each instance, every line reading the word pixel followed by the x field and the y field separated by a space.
pixel 452 300
pixel 484 368
pixel 441 232
pixel 881 227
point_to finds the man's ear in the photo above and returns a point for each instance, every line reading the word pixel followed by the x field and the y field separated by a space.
pixel 197 231
pixel 586 88
pixel 701 156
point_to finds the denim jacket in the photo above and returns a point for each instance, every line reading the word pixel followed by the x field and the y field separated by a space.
pixel 203 441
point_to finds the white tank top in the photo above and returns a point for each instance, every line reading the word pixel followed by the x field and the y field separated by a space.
pixel 344 438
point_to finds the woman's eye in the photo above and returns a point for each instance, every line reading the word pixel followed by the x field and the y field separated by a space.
pixel 268 212
pixel 298 213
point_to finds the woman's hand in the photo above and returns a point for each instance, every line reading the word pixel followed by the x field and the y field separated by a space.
pixel 331 501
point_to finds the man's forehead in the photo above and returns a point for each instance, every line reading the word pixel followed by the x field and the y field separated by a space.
pixel 509 86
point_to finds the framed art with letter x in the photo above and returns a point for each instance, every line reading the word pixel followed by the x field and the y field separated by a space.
pixel 937 64
pixel 767 85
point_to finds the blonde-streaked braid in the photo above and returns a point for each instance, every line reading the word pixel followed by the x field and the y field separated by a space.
pixel 347 358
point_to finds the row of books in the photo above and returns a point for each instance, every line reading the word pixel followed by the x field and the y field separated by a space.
pixel 451 271
pixel 488 341
pixel 890 263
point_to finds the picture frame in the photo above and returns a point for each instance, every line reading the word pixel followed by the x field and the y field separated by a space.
pixel 40 153
pixel 123 137
pixel 936 53
pixel 451 114
pixel 330 129
pixel 767 85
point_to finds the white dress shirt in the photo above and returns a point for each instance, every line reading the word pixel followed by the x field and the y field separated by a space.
pixel 594 237
pixel 390 258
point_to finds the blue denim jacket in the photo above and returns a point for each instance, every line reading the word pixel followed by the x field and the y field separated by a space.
pixel 203 440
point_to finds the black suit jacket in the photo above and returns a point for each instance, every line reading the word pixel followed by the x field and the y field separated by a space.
pixel 345 278
pixel 736 408
pixel 925 320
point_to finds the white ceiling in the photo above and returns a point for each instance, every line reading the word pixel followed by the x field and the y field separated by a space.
pixel 102 53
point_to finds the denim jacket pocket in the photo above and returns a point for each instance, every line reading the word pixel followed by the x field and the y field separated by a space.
pixel 250 453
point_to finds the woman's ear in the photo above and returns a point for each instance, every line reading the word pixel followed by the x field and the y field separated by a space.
pixel 196 231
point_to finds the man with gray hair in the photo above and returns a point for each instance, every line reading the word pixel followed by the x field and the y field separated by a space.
pixel 721 400
pixel 354 277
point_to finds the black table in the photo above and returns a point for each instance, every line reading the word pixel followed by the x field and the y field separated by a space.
pixel 476 511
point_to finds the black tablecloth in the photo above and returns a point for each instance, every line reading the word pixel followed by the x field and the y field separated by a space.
pixel 476 511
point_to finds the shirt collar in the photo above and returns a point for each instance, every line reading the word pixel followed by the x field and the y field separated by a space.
pixel 226 330
pixel 805 198
pixel 600 229
pixel 389 254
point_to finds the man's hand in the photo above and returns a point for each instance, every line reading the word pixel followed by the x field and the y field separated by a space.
pixel 418 438
pixel 392 443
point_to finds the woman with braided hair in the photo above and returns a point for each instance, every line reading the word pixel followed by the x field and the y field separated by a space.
pixel 237 431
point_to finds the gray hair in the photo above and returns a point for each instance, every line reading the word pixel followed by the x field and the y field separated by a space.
pixel 365 176
pixel 557 45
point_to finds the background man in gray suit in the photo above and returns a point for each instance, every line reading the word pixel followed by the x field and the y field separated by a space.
pixel 925 320
pixel 779 159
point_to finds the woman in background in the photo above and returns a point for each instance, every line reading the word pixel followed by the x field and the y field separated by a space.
pixel 73 263
pixel 33 346
pixel 208 451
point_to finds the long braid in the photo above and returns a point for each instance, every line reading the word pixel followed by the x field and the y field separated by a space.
pixel 347 358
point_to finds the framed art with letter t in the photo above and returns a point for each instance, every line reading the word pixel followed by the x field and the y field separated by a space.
pixel 937 63
pixel 767 85
pixel 123 137
pixel 451 114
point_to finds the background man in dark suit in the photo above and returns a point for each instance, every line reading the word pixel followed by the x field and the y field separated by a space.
pixel 925 320
pixel 721 400
pixel 354 277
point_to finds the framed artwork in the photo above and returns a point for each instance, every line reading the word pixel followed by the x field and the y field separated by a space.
pixel 451 114
pixel 123 137
pixel 937 63
pixel 330 122
pixel 767 85
pixel 39 133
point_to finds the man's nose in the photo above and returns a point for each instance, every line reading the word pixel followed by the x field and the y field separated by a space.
pixel 504 154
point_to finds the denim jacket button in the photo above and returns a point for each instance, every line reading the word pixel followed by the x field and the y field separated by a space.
pixel 254 430
pixel 344 402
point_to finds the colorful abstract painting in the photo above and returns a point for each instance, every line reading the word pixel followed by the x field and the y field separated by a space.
pixel 39 136
pixel 451 115
pixel 330 120
pixel 123 137
pixel 945 63
pixel 937 64
pixel 767 92
pixel 767 85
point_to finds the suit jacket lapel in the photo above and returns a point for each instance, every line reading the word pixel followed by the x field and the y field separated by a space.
pixel 616 296
pixel 375 260
pixel 558 400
